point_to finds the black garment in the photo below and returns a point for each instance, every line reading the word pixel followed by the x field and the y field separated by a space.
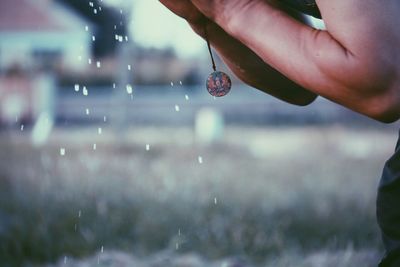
pixel 388 209
pixel 308 7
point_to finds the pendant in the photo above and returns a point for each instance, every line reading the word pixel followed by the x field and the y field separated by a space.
pixel 218 84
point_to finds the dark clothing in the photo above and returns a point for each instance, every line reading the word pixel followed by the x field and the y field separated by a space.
pixel 308 7
pixel 388 209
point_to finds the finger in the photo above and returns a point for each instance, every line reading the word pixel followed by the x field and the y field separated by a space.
pixel 184 9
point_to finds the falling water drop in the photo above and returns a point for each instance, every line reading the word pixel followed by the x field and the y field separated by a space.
pixel 129 89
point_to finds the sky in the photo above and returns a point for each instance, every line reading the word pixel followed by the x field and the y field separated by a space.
pixel 153 25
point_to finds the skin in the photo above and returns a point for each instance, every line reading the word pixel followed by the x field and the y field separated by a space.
pixel 354 62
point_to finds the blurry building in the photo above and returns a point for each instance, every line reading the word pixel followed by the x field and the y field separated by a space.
pixel 36 38
pixel 41 34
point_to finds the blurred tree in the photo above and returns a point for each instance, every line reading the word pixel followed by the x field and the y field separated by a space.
pixel 108 23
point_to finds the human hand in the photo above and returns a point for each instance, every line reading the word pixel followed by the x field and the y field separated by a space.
pixel 241 60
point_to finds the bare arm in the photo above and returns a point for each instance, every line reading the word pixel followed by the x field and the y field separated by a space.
pixel 354 62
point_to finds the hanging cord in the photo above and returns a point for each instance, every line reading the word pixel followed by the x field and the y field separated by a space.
pixel 209 47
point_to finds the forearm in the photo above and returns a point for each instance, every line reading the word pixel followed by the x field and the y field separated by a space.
pixel 250 68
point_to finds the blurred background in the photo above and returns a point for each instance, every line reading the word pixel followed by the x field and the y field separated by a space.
pixel 112 153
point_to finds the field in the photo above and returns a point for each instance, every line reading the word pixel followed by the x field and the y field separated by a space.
pixel 267 196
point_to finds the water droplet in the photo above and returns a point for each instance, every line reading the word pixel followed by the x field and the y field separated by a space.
pixel 180 82
pixel 186 97
pixel 102 249
pixel 129 89
pixel 76 87
pixel 172 84
pixel 129 67
pixel 79 213
pixel 95 11
pixel 91 4
pixel 104 118
pixel 62 151
pixel 126 38
pixel 200 159
pixel 93 38
pixel 22 127
pixel 85 91
pixel 177 108
pixel 98 64
pixel 215 200
pixel 99 130
pixel 114 85
pixel 179 231
pixel 120 38
pixel 87 111
pixel 86 28
pixel 147 147
pixel 89 61
pixel 94 146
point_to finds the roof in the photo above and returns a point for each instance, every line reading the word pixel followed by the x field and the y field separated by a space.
pixel 33 15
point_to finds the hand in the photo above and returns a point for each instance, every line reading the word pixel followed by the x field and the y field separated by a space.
pixel 243 62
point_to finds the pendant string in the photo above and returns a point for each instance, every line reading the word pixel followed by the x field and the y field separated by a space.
pixel 209 47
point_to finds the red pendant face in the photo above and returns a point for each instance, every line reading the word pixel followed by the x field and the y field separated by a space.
pixel 218 84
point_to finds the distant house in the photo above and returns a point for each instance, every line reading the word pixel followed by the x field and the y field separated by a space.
pixel 37 36
pixel 35 32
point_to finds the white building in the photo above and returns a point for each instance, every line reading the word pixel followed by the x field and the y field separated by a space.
pixel 35 32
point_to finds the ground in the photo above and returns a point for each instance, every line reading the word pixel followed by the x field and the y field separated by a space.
pixel 265 196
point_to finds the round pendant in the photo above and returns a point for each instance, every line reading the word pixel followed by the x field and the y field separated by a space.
pixel 218 83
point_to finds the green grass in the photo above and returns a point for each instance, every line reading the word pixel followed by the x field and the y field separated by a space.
pixel 281 192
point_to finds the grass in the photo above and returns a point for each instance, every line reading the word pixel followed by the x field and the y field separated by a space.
pixel 277 196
